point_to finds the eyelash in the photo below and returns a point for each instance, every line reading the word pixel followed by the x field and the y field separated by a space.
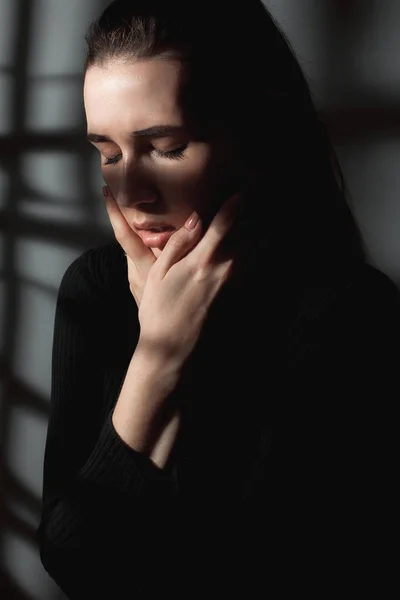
pixel 176 154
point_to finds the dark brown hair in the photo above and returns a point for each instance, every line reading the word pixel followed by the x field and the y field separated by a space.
pixel 243 76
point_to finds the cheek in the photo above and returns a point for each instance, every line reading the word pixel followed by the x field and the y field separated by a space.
pixel 109 176
pixel 124 211
pixel 211 180
pixel 200 175
pixel 112 178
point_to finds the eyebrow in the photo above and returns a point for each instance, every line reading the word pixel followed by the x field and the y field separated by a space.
pixel 157 131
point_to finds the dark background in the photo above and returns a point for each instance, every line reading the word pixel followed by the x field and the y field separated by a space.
pixel 51 208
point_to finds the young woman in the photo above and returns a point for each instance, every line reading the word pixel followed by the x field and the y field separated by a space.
pixel 224 371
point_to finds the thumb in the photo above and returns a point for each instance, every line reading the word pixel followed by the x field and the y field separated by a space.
pixel 131 243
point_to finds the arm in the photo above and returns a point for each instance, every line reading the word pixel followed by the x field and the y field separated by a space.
pixel 104 503
pixel 141 416
pixel 350 379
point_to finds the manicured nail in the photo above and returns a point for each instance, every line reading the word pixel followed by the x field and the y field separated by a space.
pixel 105 190
pixel 192 221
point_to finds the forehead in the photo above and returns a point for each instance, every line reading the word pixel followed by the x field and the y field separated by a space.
pixel 133 94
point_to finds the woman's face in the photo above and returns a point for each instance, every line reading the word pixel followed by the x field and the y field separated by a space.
pixel 157 167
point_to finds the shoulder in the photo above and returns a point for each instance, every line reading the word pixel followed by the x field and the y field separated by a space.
pixel 356 317
pixel 364 293
pixel 371 304
pixel 365 322
pixel 95 271
pixel 371 286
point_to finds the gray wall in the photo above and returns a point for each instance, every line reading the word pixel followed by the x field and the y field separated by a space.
pixel 51 207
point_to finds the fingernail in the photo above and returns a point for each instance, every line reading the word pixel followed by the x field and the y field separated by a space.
pixel 192 221
pixel 105 190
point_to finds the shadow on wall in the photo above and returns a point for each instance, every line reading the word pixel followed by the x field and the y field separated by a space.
pixel 349 50
pixel 50 211
pixel 51 207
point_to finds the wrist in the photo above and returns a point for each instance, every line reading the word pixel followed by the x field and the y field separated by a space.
pixel 150 361
pixel 144 398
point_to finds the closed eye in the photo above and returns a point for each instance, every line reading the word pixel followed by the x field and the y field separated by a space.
pixel 176 154
pixel 114 160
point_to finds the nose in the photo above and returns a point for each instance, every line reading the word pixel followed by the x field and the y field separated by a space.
pixel 135 188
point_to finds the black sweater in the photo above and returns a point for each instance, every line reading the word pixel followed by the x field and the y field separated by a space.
pixel 285 462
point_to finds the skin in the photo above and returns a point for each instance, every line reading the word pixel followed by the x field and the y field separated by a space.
pixel 173 286
pixel 125 96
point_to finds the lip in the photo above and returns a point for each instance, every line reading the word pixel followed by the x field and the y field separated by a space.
pixel 152 239
pixel 151 224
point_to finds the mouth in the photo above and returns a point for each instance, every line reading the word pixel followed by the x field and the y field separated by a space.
pixel 155 237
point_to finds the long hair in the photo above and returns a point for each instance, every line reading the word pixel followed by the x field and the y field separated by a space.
pixel 242 76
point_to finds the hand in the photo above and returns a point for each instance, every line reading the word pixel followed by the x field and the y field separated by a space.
pixel 139 258
pixel 177 290
pixel 183 283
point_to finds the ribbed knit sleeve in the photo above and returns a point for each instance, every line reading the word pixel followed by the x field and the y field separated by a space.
pixel 100 496
pixel 282 468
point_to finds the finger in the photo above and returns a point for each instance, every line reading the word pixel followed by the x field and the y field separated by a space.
pixel 131 243
pixel 242 261
pixel 242 232
pixel 180 243
pixel 219 228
